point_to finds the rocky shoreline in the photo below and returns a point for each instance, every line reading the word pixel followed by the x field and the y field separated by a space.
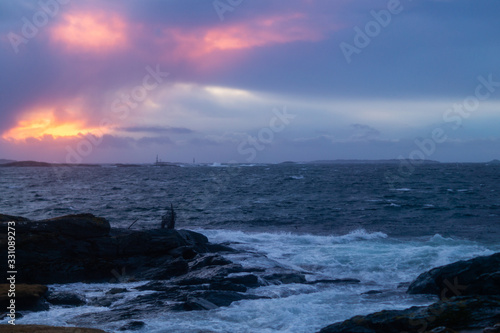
pixel 186 272
pixel 469 293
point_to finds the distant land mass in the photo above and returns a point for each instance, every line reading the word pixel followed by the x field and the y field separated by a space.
pixel 3 161
pixel 494 162
pixel 393 161
pixel 39 164
pixel 26 164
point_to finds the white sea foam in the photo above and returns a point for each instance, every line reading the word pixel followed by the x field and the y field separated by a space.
pixel 372 257
pixel 218 165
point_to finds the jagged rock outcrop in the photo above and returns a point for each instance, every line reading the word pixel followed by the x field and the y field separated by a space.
pixel 458 313
pixel 477 276
pixel 470 299
pixel 83 248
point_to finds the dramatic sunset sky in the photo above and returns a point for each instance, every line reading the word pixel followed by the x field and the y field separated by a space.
pixel 249 80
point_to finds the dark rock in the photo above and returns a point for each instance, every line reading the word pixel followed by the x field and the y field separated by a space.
pixel 211 299
pixel 133 326
pixel 285 278
pixel 486 284
pixel 193 238
pixel 186 252
pixel 194 304
pixel 65 298
pixel 174 298
pixel 227 285
pixel 105 301
pixel 79 226
pixel 50 329
pixel 150 242
pixel 442 329
pixel 154 285
pixel 168 286
pixel 114 315
pixel 82 248
pixel 209 274
pixel 334 281
pixel 114 291
pixel 9 218
pixel 478 276
pixel 166 270
pixel 494 329
pixel 208 260
pixel 458 313
pixel 248 280
pixel 224 298
pixel 220 248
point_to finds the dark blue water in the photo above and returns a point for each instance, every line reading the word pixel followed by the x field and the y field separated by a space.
pixel 331 221
pixel 461 200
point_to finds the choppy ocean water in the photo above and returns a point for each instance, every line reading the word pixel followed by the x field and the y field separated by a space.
pixel 331 221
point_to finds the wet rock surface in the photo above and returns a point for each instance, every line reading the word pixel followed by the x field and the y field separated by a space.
pixel 458 313
pixel 65 298
pixel 83 248
pixel 470 300
pixel 477 276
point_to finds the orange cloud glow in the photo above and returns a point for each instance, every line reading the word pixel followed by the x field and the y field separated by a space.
pixel 91 32
pixel 43 122
pixel 269 30
pixel 261 32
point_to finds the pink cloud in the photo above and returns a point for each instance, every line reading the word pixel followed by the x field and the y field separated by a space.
pixel 91 31
pixel 206 46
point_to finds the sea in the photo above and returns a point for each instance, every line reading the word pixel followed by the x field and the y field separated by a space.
pixel 379 223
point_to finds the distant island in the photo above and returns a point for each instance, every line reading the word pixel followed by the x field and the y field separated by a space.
pixel 39 164
pixel 392 161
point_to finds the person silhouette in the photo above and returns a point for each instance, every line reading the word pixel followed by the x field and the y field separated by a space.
pixel 168 219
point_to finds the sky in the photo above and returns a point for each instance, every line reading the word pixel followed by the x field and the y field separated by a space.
pixel 249 81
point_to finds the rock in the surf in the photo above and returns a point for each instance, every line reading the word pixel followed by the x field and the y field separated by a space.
pixel 477 276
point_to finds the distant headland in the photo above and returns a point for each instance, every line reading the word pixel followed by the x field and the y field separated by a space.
pixel 38 164
pixel 391 161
